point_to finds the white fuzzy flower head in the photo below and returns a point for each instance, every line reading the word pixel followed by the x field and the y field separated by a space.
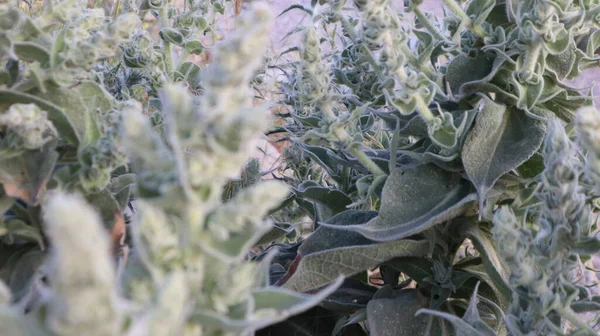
pixel 81 270
pixel 588 128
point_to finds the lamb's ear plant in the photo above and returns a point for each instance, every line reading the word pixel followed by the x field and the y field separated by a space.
pixel 418 149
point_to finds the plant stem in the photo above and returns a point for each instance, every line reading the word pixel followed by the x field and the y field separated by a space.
pixel 423 109
pixel 572 317
pixel 460 13
pixel 366 161
pixel 531 58
pixel 348 27
pixel 433 30
pixel 164 23
pixel 343 135
pixel 184 56
pixel 116 6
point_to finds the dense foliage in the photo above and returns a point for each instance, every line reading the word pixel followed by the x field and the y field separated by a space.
pixel 450 158
pixel 414 139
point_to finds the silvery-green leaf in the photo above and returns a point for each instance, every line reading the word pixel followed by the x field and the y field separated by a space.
pixel 501 140
pixel 106 205
pixel 593 43
pixel 532 167
pixel 120 187
pixel 415 199
pixel 350 296
pixel 589 305
pixel 562 40
pixel 479 67
pixel 396 316
pixel 320 268
pixel 190 73
pixel 561 64
pixel 95 98
pixel 528 92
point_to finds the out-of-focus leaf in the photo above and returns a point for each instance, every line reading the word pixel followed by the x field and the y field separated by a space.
pixel 60 118
pixel 277 231
pixel 271 305
pixel 17 230
pixel 25 177
pixel 31 52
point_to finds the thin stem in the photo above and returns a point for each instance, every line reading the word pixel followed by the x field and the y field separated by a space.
pixel 345 138
pixel 531 59
pixel 570 315
pixel 460 13
pixel 423 109
pixel 366 161
pixel 116 6
pixel 433 30
pixel 164 23
pixel 184 56
pixel 348 27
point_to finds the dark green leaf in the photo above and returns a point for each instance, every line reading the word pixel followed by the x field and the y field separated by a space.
pixel 320 268
pixel 333 199
pixel 325 238
pixel 396 316
pixel 416 199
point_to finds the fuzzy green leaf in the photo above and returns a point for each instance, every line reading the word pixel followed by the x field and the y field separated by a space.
pixel 319 269
pixel 501 140
pixel 479 67
pixel 562 64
